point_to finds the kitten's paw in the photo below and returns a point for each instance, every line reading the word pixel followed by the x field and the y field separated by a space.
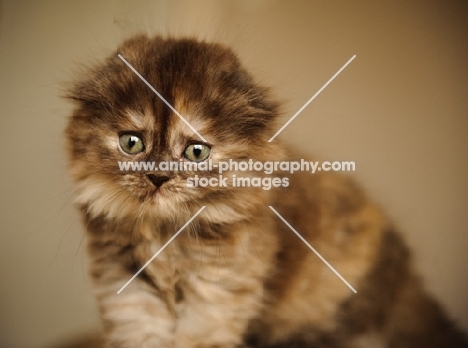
pixel 148 342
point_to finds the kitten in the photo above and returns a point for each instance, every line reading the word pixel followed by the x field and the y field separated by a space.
pixel 236 275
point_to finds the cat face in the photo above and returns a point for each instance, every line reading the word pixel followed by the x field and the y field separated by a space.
pixel 119 119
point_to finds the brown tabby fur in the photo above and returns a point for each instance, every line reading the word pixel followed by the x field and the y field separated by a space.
pixel 237 275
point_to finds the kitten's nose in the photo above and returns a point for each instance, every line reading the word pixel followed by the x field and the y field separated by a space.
pixel 157 180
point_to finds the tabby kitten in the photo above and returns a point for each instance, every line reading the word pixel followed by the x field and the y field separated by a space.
pixel 236 276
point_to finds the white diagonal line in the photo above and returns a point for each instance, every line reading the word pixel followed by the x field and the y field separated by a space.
pixel 311 248
pixel 160 250
pixel 308 102
pixel 161 97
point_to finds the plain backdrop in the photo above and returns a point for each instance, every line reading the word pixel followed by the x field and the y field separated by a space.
pixel 399 110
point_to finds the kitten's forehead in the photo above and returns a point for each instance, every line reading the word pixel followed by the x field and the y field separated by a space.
pixel 139 120
pixel 186 74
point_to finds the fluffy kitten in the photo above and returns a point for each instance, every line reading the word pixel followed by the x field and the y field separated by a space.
pixel 237 275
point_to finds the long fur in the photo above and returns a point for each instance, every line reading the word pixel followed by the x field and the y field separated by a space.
pixel 237 275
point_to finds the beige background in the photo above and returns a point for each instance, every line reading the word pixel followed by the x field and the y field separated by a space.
pixel 399 111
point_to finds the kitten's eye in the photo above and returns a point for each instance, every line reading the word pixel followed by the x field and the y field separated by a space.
pixel 197 152
pixel 131 144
